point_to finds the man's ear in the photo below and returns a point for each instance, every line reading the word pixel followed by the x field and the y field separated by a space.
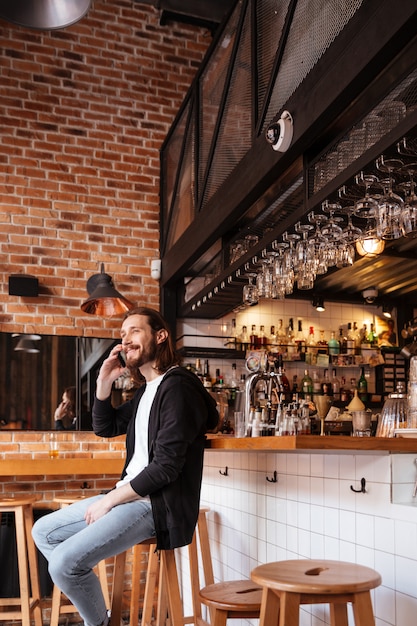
pixel 161 335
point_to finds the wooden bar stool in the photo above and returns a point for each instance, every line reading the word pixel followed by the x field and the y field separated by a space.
pixel 161 577
pixel 231 600
pixel 28 602
pixel 58 606
pixel 288 584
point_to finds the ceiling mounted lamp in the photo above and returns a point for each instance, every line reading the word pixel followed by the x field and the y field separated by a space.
pixel 370 246
pixel 387 311
pixel 26 343
pixel 44 14
pixel 104 300
pixel 318 304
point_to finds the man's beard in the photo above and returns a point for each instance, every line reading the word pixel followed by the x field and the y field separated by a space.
pixel 147 355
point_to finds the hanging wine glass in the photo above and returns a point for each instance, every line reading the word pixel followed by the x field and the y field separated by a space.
pixel 408 222
pixel 250 291
pixel 280 274
pixel 367 206
pixel 319 242
pixel 390 204
pixel 304 258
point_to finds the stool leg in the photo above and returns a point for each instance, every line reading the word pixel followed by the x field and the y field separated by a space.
pixel 169 570
pixel 289 612
pixel 117 593
pixel 219 617
pixel 362 609
pixel 338 614
pixel 150 586
pixel 195 581
pixel 23 567
pixel 205 548
pixel 102 575
pixel 138 551
pixel 56 605
pixel 269 608
pixel 33 566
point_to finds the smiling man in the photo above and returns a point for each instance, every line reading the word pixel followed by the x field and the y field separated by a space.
pixel 158 493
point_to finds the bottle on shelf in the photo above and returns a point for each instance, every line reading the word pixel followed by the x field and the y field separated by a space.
pixel 363 386
pixel 234 340
pixel 335 386
pixel 342 341
pixel 372 336
pixel 253 338
pixel 344 391
pixel 262 339
pixel 311 347
pixel 316 384
pixel 322 344
pixel 273 340
pixel 301 341
pixel 218 384
pixel 357 338
pixel 198 370
pixel 280 334
pixel 363 333
pixel 244 339
pixel 291 347
pixel 206 375
pixel 350 340
pixel 283 380
pixel 307 386
pixel 334 345
pixel 326 385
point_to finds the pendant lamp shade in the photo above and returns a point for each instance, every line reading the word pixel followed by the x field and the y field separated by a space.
pixel 44 14
pixel 104 299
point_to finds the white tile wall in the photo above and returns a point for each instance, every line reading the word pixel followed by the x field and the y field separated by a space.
pixel 311 512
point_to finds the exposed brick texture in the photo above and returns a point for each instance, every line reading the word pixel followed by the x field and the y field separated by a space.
pixel 83 114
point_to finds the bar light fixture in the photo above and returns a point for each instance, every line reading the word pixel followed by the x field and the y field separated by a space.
pixel 44 14
pixel 104 299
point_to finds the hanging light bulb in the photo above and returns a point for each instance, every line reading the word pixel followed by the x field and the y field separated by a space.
pixel 370 246
pixel 104 299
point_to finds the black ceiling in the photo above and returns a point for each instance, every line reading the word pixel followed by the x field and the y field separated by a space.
pixel 208 13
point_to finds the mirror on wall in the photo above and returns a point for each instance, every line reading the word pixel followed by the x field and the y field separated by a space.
pixel 36 369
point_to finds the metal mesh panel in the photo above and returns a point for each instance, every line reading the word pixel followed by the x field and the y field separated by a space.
pixel 212 86
pixel 381 120
pixel 172 155
pixel 270 18
pixel 235 134
pixel 315 25
pixel 183 210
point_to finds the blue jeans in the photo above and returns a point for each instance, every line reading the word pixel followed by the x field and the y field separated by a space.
pixel 72 548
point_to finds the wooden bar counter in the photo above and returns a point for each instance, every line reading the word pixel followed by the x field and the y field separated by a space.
pixel 61 467
pixel 330 443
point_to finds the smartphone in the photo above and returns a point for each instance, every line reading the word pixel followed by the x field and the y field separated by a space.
pixel 122 359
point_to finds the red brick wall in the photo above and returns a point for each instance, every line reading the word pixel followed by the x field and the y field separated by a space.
pixel 84 111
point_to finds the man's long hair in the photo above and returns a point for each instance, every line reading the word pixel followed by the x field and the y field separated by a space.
pixel 166 355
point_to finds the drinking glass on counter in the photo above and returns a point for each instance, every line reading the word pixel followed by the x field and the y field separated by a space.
pixel 53 446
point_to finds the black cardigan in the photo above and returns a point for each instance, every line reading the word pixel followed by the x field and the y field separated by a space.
pixel 182 412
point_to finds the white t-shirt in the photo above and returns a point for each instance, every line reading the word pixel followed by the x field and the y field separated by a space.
pixel 140 456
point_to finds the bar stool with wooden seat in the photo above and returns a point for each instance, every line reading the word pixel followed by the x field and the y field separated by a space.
pixel 231 599
pixel 58 606
pixel 289 584
pixel 161 576
pixel 28 603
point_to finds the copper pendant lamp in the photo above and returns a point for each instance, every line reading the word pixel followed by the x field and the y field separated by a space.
pixel 44 14
pixel 104 299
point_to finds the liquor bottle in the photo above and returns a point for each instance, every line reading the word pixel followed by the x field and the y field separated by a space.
pixel 363 387
pixel 350 340
pixel 197 369
pixel 344 391
pixel 316 384
pixel 307 385
pixel 357 338
pixel 262 339
pixel 311 347
pixel 372 336
pixel 273 341
pixel 291 347
pixel 253 338
pixel 342 341
pixel 234 340
pixel 294 388
pixel 244 338
pixel 335 386
pixel 364 335
pixel 233 385
pixel 326 385
pixel 206 375
pixel 334 345
pixel 281 336
pixel 322 345
pixel 300 341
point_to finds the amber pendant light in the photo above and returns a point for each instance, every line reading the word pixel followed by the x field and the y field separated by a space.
pixel 104 299
pixel 44 14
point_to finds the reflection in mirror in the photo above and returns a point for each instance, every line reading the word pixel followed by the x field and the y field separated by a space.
pixel 37 369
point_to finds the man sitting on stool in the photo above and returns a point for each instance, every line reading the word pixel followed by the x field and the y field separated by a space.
pixel 158 494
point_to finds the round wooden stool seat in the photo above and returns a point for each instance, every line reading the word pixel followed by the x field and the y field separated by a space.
pixel 288 584
pixel 28 603
pixel 233 595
